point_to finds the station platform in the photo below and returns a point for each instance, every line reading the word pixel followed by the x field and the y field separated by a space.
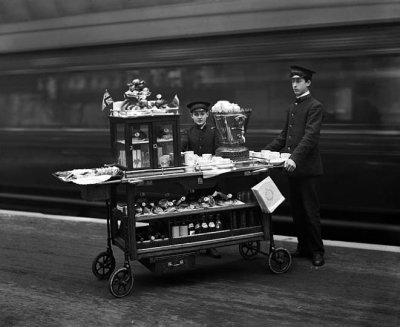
pixel 46 280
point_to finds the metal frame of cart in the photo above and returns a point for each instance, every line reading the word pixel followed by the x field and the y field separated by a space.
pixel 172 254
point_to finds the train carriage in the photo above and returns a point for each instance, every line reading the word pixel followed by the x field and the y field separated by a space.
pixel 52 120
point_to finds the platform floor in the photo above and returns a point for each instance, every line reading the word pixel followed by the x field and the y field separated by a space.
pixel 46 280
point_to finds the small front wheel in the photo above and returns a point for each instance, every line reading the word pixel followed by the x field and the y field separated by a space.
pixel 279 261
pixel 103 265
pixel 249 250
pixel 121 282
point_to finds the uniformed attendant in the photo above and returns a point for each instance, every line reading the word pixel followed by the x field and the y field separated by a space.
pixel 201 138
pixel 300 137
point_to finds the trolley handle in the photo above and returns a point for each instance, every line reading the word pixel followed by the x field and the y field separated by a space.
pixel 180 263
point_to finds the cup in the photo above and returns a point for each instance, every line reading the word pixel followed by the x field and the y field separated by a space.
pixel 266 154
pixel 189 158
pixel 207 156
pixel 275 155
pixel 165 160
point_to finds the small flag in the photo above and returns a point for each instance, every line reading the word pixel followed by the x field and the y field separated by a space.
pixel 175 102
pixel 107 100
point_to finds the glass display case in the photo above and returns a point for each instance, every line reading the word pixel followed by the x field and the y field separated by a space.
pixel 145 142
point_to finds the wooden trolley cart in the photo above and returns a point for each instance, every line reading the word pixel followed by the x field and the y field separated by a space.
pixel 241 222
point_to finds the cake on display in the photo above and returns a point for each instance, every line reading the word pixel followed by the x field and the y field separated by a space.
pixel 137 103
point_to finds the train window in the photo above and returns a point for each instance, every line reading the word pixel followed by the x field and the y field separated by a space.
pixel 357 91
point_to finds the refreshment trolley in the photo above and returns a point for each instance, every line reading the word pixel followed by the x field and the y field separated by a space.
pixel 169 239
pixel 162 213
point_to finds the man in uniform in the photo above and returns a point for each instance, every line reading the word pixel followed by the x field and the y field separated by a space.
pixel 300 137
pixel 201 139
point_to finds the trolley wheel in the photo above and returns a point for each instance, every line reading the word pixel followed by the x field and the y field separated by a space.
pixel 249 250
pixel 121 282
pixel 103 265
pixel 279 261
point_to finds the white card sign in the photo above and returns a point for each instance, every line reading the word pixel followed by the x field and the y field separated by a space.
pixel 268 195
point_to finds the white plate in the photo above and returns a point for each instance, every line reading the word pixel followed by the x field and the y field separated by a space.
pixel 225 166
pixel 277 161
pixel 91 179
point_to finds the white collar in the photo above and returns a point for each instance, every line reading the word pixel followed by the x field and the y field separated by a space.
pixel 304 94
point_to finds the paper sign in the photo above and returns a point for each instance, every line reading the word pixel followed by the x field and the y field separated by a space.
pixel 268 195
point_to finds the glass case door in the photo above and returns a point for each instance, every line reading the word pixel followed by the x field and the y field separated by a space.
pixel 139 156
pixel 164 149
pixel 119 145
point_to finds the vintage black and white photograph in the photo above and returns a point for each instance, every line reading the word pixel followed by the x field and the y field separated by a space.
pixel 199 163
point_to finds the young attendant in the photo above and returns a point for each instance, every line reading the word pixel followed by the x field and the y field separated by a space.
pixel 201 139
pixel 300 137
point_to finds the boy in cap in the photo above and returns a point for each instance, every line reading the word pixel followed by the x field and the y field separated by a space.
pixel 201 139
pixel 300 137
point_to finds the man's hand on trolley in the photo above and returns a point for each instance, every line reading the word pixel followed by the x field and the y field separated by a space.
pixel 289 165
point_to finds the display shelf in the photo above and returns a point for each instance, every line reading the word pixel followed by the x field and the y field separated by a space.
pixel 198 245
pixel 164 140
pixel 177 214
pixel 133 142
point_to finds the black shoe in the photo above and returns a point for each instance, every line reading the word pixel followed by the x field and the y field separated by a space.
pixel 213 252
pixel 318 260
pixel 299 254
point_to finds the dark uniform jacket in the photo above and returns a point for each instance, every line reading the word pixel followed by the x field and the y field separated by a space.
pixel 300 136
pixel 201 140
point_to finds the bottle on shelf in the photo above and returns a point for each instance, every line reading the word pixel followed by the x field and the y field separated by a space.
pixel 179 201
pixel 233 220
pixel 175 229
pixel 221 195
pixel 151 233
pixel 204 225
pixel 183 228
pixel 192 195
pixel 145 208
pixel 197 227
pixel 251 220
pixel 191 229
pixel 211 224
pixel 138 209
pixel 139 238
pixel 242 218
pixel 211 201
pixel 218 223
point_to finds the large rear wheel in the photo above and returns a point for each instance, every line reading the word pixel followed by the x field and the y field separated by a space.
pixel 121 282
pixel 279 261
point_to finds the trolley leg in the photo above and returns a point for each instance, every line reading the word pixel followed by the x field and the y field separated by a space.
pixel 103 264
pixel 271 233
pixel 121 281
pixel 109 248
pixel 279 259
